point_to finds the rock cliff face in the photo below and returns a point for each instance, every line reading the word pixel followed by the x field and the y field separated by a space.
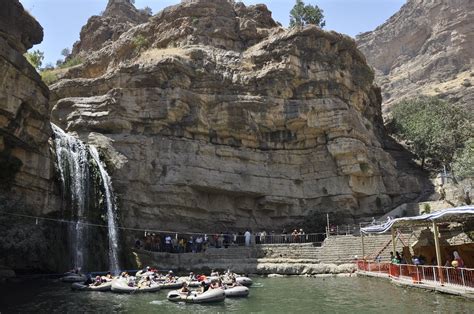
pixel 24 112
pixel 425 48
pixel 212 116
pixel 118 17
pixel 26 166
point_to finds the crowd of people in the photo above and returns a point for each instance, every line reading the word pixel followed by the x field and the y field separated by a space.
pixel 453 260
pixel 152 276
pixel 196 243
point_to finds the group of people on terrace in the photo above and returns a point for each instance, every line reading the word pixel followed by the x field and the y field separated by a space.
pixel 453 260
pixel 196 243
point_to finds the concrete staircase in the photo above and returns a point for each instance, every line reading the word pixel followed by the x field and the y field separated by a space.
pixel 334 250
pixel 272 258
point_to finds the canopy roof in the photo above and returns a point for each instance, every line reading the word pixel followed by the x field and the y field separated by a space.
pixel 458 214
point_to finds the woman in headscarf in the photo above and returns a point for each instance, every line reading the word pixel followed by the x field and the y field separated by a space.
pixel 458 259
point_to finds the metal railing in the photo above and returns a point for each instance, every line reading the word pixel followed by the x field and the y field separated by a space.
pixel 456 277
pixel 383 268
pixel 343 230
pixel 196 242
pixel 290 238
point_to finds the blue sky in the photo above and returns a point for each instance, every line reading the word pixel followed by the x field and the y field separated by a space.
pixel 62 19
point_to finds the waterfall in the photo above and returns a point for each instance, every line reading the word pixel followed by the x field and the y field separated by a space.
pixel 73 166
pixel 76 178
pixel 111 210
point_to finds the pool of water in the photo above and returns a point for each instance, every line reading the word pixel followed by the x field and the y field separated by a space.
pixel 267 295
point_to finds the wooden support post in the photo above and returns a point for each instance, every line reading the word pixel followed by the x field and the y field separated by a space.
pixel 327 225
pixel 438 252
pixel 394 241
pixel 363 245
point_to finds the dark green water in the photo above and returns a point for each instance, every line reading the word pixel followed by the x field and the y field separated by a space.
pixel 268 295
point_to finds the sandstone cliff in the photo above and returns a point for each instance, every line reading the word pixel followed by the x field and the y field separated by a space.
pixel 26 166
pixel 212 116
pixel 118 17
pixel 425 48
pixel 24 112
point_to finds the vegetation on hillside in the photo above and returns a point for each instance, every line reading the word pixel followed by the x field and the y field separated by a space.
pixel 303 14
pixel 140 42
pixel 434 130
pixel 463 165
pixel 35 58
pixel 49 74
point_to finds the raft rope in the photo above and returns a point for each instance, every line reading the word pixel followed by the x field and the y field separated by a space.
pixel 37 218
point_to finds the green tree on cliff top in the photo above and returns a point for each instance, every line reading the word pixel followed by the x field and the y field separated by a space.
pixel 432 128
pixel 303 14
pixel 35 58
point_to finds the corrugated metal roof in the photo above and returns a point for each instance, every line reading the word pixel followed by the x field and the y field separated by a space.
pixel 457 214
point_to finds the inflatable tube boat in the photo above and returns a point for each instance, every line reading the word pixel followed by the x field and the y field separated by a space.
pixel 144 273
pixel 237 292
pixel 121 286
pixel 73 278
pixel 194 284
pixel 106 286
pixel 171 285
pixel 244 281
pixel 211 295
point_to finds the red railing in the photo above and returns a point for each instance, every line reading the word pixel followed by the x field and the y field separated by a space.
pixel 444 276
pixel 373 267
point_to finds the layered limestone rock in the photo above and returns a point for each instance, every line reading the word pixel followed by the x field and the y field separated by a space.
pixel 118 17
pixel 425 48
pixel 26 170
pixel 26 166
pixel 212 116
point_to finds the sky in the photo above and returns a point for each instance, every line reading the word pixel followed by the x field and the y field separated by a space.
pixel 62 20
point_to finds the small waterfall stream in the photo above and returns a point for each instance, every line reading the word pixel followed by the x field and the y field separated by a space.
pixel 73 166
pixel 76 177
pixel 111 213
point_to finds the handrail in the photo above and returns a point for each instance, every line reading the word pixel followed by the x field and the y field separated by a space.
pixel 183 243
pixel 462 277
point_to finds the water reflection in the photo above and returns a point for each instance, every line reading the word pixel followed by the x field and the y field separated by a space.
pixel 269 295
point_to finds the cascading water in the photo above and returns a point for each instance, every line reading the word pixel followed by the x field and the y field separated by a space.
pixel 111 210
pixel 74 170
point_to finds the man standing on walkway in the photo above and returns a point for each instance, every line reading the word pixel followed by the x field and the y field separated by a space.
pixel 247 238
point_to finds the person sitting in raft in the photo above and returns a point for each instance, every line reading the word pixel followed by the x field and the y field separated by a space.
pixel 203 288
pixel 192 277
pixel 214 273
pixel 107 277
pixel 201 277
pixel 124 275
pixel 215 284
pixel 97 281
pixel 234 283
pixel 144 282
pixel 184 289
pixel 130 281
pixel 170 276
